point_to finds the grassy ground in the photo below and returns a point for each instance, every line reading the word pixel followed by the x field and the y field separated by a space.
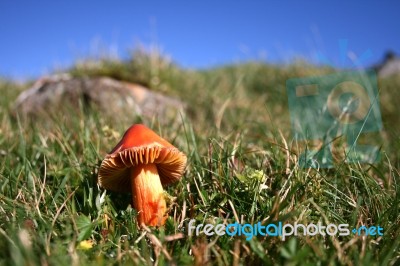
pixel 242 167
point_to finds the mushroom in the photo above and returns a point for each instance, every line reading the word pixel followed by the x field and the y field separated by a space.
pixel 142 163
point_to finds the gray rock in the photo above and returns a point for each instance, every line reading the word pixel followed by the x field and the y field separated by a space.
pixel 108 96
pixel 389 66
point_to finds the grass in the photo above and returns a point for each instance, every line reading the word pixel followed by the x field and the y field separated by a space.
pixel 242 167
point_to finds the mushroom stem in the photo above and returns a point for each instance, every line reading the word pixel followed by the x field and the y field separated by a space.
pixel 147 195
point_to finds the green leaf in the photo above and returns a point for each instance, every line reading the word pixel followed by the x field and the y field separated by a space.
pixel 85 227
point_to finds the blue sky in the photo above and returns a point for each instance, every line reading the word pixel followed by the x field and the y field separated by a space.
pixel 39 36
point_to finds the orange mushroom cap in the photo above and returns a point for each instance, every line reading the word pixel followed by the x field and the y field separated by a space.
pixel 140 145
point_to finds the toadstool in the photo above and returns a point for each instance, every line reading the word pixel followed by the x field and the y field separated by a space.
pixel 142 163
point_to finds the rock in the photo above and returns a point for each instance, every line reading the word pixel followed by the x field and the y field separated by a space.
pixel 108 96
pixel 389 66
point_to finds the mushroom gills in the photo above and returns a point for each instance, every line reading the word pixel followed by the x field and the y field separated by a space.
pixel 148 195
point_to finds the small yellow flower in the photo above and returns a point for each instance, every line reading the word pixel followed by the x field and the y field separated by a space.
pixel 85 244
pixel 250 174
